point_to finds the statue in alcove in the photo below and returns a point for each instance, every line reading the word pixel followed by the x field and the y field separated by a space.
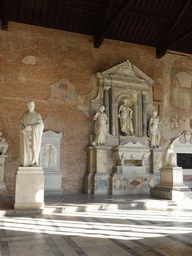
pixel 154 133
pixel 101 127
pixel 125 115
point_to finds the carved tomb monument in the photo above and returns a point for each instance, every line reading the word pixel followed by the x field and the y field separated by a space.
pixel 120 162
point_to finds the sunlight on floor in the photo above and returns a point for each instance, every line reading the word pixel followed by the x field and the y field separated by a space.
pixel 87 228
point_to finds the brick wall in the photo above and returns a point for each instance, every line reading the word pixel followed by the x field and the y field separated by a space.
pixel 64 55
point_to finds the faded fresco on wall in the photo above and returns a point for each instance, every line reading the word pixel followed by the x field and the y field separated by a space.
pixel 177 105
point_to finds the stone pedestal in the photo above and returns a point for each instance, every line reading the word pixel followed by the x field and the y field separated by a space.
pixel 156 160
pixel 171 184
pixel 29 190
pixel 97 178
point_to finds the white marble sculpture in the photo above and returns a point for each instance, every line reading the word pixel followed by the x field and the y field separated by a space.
pixel 125 115
pixel 3 145
pixel 154 133
pixel 48 156
pixel 170 157
pixel 31 130
pixel 101 126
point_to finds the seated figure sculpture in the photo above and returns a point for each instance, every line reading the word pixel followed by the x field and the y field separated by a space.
pixel 101 127
pixel 31 130
pixel 170 157
pixel 154 133
pixel 125 115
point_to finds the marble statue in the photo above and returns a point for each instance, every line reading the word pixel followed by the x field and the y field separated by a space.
pixel 170 157
pixel 52 156
pixel 45 156
pixel 125 115
pixel 3 145
pixel 31 130
pixel 154 134
pixel 101 126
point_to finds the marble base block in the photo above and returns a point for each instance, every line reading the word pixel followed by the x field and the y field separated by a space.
pixel 97 177
pixel 53 182
pixel 100 183
pixel 156 158
pixel 124 184
pixel 171 184
pixel 29 190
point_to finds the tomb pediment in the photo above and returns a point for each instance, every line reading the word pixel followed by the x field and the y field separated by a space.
pixel 51 134
pixel 124 72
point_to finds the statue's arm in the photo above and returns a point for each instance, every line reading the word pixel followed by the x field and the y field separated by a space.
pixel 22 125
pixel 131 113
pixel 151 122
pixel 120 108
pixel 38 120
pixel 95 116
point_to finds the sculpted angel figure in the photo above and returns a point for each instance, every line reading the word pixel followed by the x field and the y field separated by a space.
pixel 154 133
pixel 125 115
pixel 101 126
pixel 31 130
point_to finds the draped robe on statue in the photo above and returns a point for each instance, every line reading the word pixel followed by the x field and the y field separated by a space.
pixel 30 141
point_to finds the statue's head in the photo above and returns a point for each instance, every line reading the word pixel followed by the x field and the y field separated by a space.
pixel 102 108
pixel 31 105
pixel 125 101
pixel 154 113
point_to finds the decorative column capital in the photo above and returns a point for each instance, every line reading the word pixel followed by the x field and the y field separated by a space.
pixel 106 88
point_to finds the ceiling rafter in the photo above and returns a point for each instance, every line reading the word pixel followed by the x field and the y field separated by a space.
pixel 165 44
pixel 114 17
pixel 5 15
pixel 156 23
pixel 177 19
pixel 161 51
pixel 100 21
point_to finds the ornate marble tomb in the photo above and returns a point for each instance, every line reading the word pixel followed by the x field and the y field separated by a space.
pixel 122 165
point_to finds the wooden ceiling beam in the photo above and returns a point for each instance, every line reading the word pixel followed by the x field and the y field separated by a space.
pixel 125 8
pixel 177 19
pixel 112 20
pixel 5 15
pixel 100 21
pixel 160 52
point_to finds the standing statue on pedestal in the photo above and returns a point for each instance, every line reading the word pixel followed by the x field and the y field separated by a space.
pixel 101 126
pixel 125 115
pixel 154 134
pixel 31 130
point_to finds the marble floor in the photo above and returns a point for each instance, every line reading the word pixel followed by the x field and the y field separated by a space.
pixel 132 230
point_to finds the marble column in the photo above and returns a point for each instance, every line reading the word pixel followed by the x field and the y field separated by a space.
pixel 113 114
pixel 106 102
pixel 140 133
pixel 135 120
pixel 97 177
pixel 144 115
